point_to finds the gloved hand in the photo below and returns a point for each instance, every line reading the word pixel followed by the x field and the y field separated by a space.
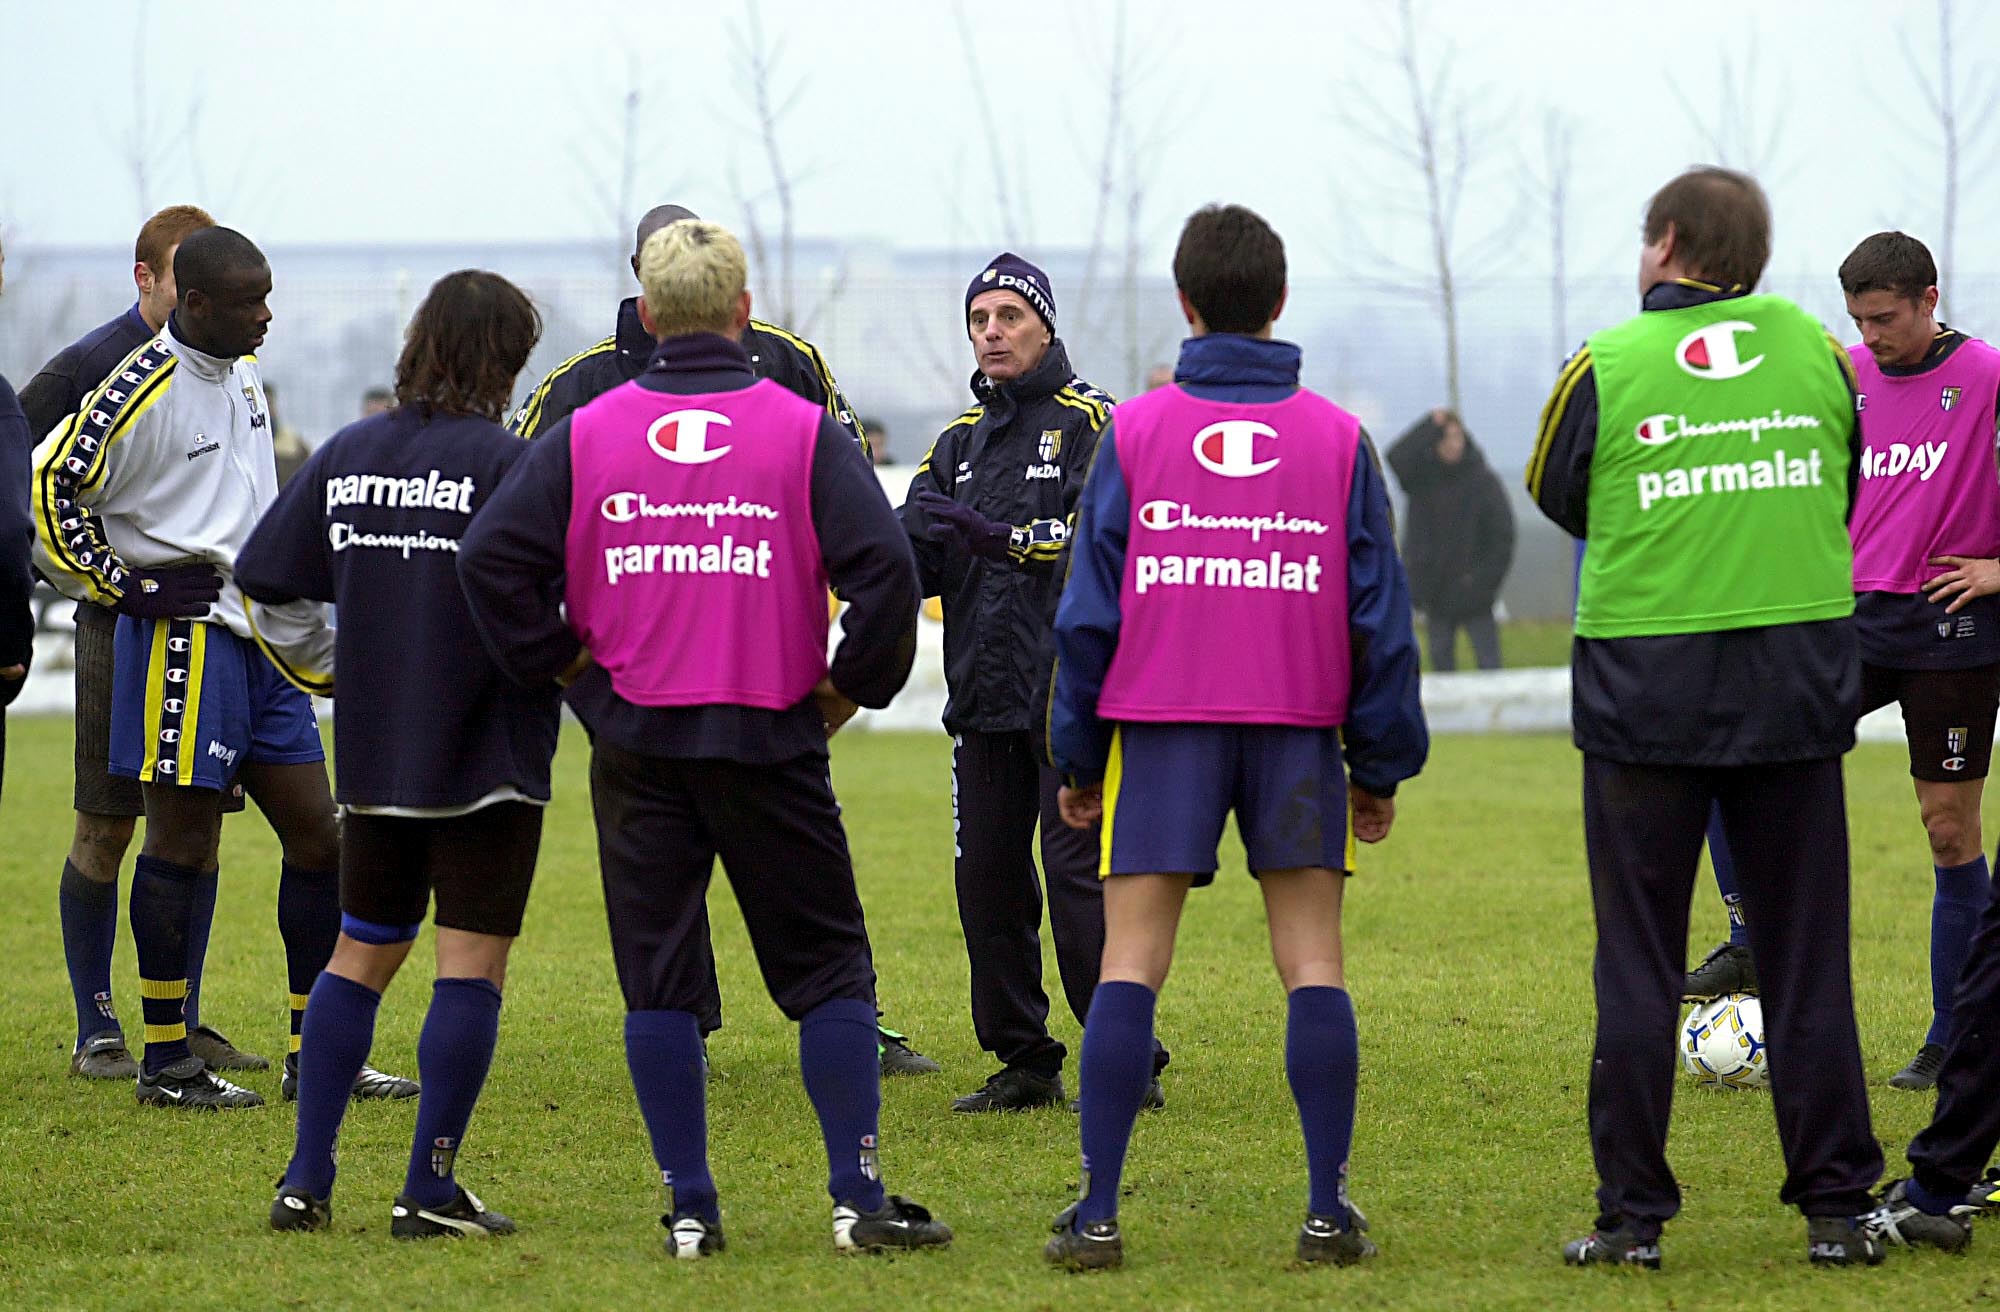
pixel 957 523
pixel 174 593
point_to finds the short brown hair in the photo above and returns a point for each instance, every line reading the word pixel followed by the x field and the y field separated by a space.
pixel 1889 262
pixel 1231 267
pixel 466 344
pixel 166 230
pixel 1721 223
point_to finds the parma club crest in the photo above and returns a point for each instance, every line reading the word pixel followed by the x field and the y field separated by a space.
pixel 1051 444
pixel 1949 398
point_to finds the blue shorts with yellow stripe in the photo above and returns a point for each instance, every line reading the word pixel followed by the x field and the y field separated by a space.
pixel 192 703
pixel 1168 788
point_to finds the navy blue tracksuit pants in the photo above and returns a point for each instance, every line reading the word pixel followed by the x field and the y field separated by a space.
pixel 1000 791
pixel 1787 825
pixel 1954 1148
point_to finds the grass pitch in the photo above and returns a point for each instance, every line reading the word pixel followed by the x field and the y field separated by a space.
pixel 1468 939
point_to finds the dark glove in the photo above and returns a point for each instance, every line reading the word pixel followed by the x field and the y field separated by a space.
pixel 954 522
pixel 178 592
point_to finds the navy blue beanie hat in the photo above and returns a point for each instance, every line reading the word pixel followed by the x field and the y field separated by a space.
pixel 1008 272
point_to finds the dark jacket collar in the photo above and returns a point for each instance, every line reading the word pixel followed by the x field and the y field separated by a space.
pixel 1680 293
pixel 634 343
pixel 1044 380
pixel 139 320
pixel 701 353
pixel 1942 345
pixel 1233 358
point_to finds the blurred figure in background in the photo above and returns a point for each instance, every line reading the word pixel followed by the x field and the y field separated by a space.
pixel 377 400
pixel 1458 536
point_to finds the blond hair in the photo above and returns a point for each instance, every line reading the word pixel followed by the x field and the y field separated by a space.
pixel 693 274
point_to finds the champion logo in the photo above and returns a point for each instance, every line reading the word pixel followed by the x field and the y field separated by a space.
pixel 1229 448
pixel 177 676
pixel 682 436
pixel 180 644
pixel 1713 353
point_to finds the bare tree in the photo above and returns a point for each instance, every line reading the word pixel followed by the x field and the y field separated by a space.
pixel 771 100
pixel 1736 130
pixel 614 168
pixel 1547 178
pixel 1007 198
pixel 1434 141
pixel 1962 95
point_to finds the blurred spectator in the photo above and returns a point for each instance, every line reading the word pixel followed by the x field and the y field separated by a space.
pixel 376 400
pixel 1159 376
pixel 1458 536
pixel 878 441
pixel 286 444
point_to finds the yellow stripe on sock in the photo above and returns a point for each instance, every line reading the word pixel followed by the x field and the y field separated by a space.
pixel 173 1033
pixel 164 989
pixel 295 1045
pixel 299 1001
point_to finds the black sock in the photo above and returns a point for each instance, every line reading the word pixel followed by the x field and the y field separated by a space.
pixel 162 909
pixel 90 931
pixel 309 923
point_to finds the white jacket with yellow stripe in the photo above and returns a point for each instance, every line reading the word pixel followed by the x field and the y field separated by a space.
pixel 169 462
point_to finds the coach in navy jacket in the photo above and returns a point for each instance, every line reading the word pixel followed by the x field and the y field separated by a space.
pixel 1384 742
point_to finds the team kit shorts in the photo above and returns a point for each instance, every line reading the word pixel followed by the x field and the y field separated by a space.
pixel 1168 789
pixel 192 704
pixel 479 865
pixel 1947 715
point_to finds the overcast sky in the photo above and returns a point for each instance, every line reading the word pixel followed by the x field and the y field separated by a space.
pixel 435 120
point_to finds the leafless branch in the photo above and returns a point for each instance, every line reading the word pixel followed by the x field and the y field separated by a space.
pixel 1004 193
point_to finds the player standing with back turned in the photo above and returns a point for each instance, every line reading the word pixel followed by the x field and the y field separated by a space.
pixel 1236 622
pixel 1706 450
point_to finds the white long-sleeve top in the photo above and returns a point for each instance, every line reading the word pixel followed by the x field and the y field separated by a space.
pixel 168 462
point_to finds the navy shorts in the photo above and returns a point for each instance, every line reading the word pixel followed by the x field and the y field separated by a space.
pixel 1169 787
pixel 192 703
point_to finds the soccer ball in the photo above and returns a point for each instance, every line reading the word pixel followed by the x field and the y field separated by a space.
pixel 1722 1043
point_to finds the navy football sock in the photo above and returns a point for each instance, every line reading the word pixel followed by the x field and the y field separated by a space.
pixel 1962 893
pixel 162 909
pixel 842 1066
pixel 90 932
pixel 204 919
pixel 663 1051
pixel 1322 1060
pixel 1931 1204
pixel 309 924
pixel 453 1055
pixel 339 1029
pixel 1724 861
pixel 1116 1067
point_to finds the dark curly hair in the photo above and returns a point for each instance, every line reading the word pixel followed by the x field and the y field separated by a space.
pixel 466 344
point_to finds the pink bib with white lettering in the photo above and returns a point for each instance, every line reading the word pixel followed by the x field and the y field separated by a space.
pixel 1234 600
pixel 1928 482
pixel 694 571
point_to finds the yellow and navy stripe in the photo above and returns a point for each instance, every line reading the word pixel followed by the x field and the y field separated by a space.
pixel 174 668
pixel 836 404
pixel 1092 402
pixel 528 421
pixel 314 683
pixel 1114 779
pixel 173 993
pixel 77 460
pixel 1552 415
pixel 972 416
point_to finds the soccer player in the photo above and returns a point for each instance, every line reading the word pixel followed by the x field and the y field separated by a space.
pixel 17 541
pixel 695 517
pixel 989 513
pixel 1696 446
pixel 786 359
pixel 106 805
pixel 142 500
pixel 1236 622
pixel 443 763
pixel 1926 532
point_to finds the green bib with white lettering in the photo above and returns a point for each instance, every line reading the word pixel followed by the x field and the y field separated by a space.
pixel 1718 491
